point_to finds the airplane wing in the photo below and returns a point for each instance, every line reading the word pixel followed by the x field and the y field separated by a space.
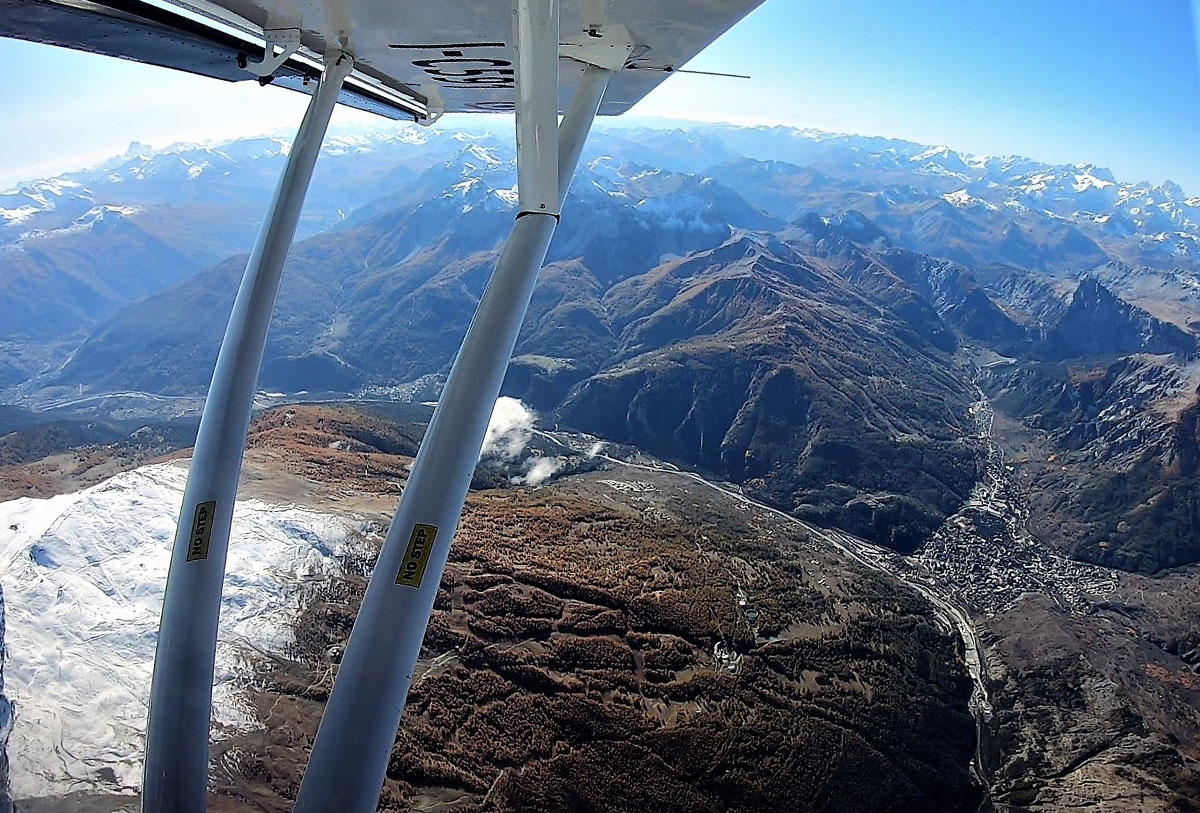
pixel 408 59
pixel 412 59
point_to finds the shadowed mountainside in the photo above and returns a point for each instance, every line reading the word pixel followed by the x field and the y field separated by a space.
pixel 1111 452
pixel 765 367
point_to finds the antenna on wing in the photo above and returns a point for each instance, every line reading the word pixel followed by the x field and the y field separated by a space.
pixel 672 69
pixel 594 15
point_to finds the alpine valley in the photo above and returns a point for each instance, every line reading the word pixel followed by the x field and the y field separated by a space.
pixel 821 456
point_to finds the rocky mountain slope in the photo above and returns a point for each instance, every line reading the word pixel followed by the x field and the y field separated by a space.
pixel 386 301
pixel 760 364
pixel 728 657
pixel 1110 452
pixel 1090 713
pixel 724 661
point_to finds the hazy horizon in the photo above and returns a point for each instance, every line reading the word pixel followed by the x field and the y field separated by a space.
pixel 1112 84
pixel 499 125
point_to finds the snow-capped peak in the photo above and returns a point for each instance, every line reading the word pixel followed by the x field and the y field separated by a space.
pixel 485 155
pixel 961 198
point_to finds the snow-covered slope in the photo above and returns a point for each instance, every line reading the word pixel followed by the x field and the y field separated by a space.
pixel 83 579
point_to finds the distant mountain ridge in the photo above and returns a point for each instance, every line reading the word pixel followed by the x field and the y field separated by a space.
pixel 388 298
pixel 76 248
pixel 1159 223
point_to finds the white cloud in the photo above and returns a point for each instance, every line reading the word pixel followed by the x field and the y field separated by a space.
pixel 508 435
pixel 510 428
pixel 538 470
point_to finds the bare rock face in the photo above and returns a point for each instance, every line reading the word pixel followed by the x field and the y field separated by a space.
pixel 1087 715
pixel 1097 323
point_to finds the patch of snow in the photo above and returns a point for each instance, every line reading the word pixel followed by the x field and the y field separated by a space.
pixel 961 198
pixel 1037 182
pixel 83 578
pixel 940 151
pixel 58 186
pixel 463 188
pixel 1086 181
pixel 509 196
pixel 483 154
pixel 19 215
pixel 120 210
pixel 409 135
pixel 612 193
pixel 348 144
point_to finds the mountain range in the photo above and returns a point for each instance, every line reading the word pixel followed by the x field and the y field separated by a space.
pixel 797 312
pixel 985 366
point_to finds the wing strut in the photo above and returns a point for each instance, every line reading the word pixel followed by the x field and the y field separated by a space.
pixel 354 743
pixel 176 771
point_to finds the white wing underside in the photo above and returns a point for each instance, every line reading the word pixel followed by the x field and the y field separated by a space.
pixel 409 56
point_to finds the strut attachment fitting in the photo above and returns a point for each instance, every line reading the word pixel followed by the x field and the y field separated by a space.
pixel 285 39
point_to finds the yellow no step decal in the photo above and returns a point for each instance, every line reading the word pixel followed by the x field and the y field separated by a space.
pixel 416 555
pixel 201 531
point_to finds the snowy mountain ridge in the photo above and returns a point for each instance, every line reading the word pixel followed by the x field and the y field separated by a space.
pixel 221 172
pixel 155 176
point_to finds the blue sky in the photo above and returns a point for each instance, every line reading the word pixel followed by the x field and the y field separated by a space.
pixel 1115 82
